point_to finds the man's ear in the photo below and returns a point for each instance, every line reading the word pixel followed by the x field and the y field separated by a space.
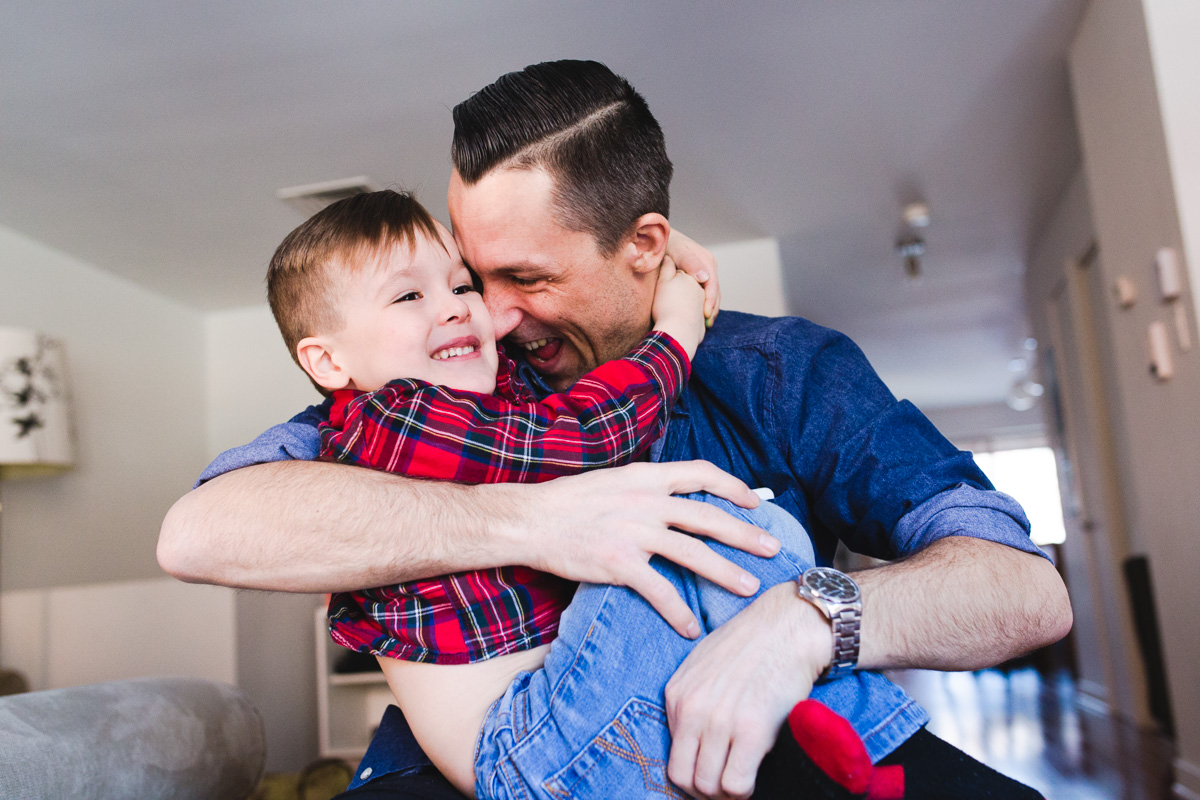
pixel 316 357
pixel 648 244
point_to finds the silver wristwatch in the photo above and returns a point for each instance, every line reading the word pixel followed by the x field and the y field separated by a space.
pixel 836 595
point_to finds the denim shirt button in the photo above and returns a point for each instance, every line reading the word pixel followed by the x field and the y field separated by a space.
pixel 366 773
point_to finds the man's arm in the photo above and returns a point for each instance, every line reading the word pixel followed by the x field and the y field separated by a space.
pixel 302 526
pixel 967 588
pixel 961 603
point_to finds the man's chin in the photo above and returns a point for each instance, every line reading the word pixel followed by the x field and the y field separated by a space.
pixel 561 371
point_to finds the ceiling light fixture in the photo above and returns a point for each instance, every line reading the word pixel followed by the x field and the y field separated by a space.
pixel 910 246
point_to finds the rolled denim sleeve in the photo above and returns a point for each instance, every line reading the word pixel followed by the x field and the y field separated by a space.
pixel 878 473
pixel 295 440
pixel 965 511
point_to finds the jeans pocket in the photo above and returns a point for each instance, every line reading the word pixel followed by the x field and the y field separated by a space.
pixel 627 759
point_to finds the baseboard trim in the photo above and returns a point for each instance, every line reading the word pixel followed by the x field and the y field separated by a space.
pixel 1187 780
pixel 1091 703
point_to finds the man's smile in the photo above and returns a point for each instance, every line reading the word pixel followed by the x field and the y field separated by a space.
pixel 544 349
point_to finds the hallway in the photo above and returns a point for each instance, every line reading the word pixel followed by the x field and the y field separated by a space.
pixel 1033 730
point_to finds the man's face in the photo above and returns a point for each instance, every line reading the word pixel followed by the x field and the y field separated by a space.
pixel 549 290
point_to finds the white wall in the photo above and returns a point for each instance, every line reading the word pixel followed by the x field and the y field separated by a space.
pixel 1173 27
pixel 1132 194
pixel 84 599
pixel 253 384
pixel 136 370
pixel 751 275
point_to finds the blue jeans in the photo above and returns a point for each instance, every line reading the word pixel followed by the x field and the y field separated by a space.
pixel 592 721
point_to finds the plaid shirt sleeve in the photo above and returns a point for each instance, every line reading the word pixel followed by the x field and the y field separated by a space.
pixel 608 417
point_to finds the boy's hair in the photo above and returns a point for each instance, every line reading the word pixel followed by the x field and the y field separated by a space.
pixel 303 278
pixel 587 127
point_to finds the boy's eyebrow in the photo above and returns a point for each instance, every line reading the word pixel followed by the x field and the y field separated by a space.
pixel 389 284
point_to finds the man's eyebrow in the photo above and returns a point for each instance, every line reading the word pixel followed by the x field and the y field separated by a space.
pixel 522 268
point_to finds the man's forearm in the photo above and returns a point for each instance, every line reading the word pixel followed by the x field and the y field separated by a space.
pixel 304 526
pixel 961 603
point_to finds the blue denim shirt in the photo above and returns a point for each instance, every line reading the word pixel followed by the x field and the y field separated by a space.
pixel 790 405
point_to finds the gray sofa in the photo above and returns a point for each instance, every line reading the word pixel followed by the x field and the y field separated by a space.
pixel 145 739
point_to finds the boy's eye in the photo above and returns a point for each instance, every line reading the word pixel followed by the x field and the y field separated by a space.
pixel 404 298
pixel 464 288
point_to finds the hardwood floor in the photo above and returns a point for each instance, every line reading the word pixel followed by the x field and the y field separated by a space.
pixel 1032 729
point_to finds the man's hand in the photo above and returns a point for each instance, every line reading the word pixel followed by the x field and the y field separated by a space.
pixel 605 526
pixel 727 701
pixel 955 605
pixel 698 262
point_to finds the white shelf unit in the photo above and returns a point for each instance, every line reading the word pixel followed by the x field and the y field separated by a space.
pixel 349 706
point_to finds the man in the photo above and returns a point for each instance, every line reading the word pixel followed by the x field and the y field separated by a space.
pixel 560 177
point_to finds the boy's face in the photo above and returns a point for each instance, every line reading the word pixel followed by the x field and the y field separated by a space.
pixel 416 315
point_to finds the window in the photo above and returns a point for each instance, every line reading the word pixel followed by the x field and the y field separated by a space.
pixel 1030 476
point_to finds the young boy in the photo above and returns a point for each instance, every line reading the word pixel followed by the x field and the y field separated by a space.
pixel 377 307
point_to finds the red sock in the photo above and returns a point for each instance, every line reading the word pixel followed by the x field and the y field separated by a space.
pixel 832 744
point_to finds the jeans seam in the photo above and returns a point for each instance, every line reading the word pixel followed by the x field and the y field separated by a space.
pixel 881 726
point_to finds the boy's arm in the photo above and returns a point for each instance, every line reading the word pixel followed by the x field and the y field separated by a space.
pixel 607 418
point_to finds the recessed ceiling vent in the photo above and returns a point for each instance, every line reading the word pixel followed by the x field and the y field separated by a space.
pixel 312 197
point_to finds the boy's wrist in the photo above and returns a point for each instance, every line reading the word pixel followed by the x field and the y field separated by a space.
pixel 679 331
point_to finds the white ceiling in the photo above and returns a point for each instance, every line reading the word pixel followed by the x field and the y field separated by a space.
pixel 148 138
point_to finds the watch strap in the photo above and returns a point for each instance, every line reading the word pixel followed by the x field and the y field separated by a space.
pixel 846 625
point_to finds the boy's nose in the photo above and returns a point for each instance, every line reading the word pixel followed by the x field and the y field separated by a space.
pixel 455 309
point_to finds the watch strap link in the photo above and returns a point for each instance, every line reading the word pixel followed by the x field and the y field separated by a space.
pixel 846 624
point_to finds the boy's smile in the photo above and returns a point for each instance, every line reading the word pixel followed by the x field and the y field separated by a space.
pixel 414 314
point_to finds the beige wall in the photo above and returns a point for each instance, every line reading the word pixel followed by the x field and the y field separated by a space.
pixel 1173 27
pixel 751 274
pixel 252 384
pixel 1066 299
pixel 77 553
pixel 136 368
pixel 1132 194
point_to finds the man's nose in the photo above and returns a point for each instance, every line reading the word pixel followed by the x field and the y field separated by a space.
pixel 506 314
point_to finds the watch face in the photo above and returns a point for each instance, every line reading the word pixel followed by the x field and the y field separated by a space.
pixel 831 584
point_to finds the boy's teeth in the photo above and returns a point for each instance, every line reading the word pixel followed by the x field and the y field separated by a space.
pixel 531 346
pixel 451 352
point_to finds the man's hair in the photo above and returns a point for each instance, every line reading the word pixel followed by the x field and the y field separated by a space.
pixel 303 280
pixel 587 127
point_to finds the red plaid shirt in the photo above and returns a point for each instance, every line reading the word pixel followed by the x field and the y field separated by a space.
pixel 410 427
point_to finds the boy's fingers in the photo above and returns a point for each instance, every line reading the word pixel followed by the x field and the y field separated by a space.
pixel 667 271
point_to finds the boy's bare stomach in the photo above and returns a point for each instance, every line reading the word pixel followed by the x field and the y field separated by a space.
pixel 445 705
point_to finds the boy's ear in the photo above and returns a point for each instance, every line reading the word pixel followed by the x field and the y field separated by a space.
pixel 316 357
pixel 648 244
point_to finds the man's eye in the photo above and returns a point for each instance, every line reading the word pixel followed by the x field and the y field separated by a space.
pixel 464 288
pixel 404 298
pixel 525 282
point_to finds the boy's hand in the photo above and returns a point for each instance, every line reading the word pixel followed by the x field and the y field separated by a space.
pixel 679 307
pixel 698 262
